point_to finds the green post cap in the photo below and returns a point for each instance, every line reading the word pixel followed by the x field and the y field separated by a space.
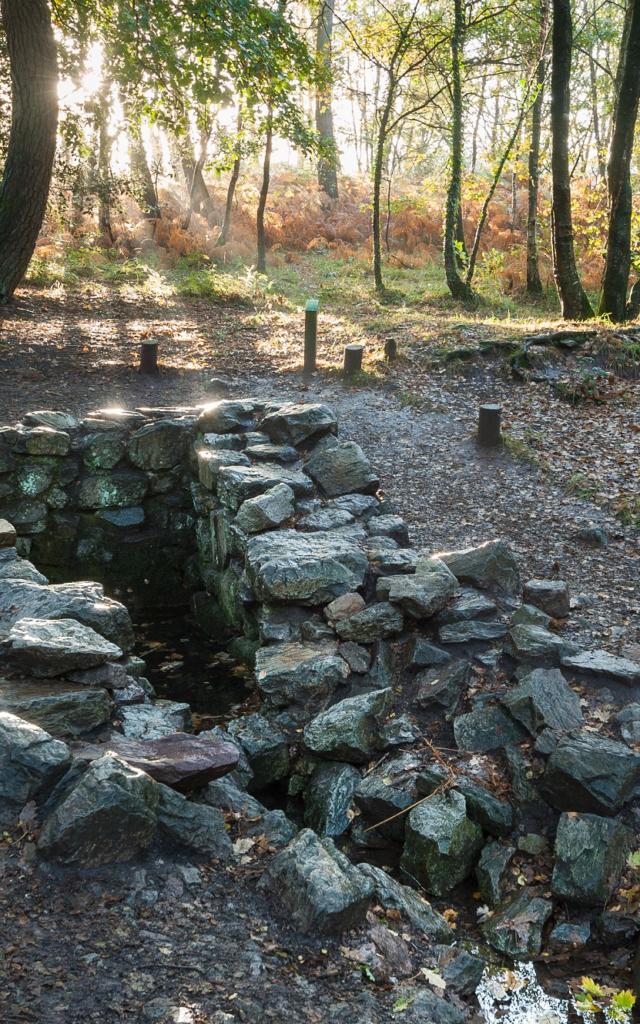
pixel 312 306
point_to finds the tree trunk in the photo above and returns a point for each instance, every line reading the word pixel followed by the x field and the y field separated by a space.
pixel 223 237
pixel 573 298
pixel 476 127
pixel 327 163
pixel 199 199
pixel 261 261
pixel 458 288
pixel 618 261
pixel 595 117
pixel 378 165
pixel 141 172
pixel 32 139
pixel 534 284
pixel 102 109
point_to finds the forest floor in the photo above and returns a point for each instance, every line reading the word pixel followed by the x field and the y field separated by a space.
pixel 166 946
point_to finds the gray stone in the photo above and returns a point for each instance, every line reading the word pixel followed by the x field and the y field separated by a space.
pixel 281 623
pixel 295 423
pixel 538 646
pixel 343 607
pixel 593 536
pixel 494 815
pixel 151 721
pixel 123 518
pixel 45 441
pixel 423 1006
pixel 31 762
pixel 103 449
pixel 420 595
pixel 468 605
pixel 60 710
pixel 552 596
pixel 325 519
pixel 629 721
pixel 237 483
pixel 471 631
pixel 159 445
pixel 544 700
pixel 605 664
pixel 8 534
pixel 108 817
pixel 515 929
pixel 380 620
pixel 300 675
pixel 356 504
pixel 303 568
pixel 218 386
pixel 119 489
pixel 424 654
pixel 486 728
pixel 490 871
pixel 462 971
pixel 357 658
pixel 112 675
pixel 225 416
pixel 51 647
pixel 265 746
pixel 316 630
pixel 527 615
pixel 570 935
pixel 226 442
pixel 393 895
pixel 328 797
pixel 492 564
pixel 265 452
pixel 395 562
pixel 211 461
pixel 12 567
pixel 385 791
pixel 441 843
pixel 342 469
pixel 590 773
pixel 180 760
pixel 266 511
pixel 590 855
pixel 34 476
pixel 350 730
pixel 197 827
pixel 51 418
pixel 318 888
pixel 389 526
pixel 443 685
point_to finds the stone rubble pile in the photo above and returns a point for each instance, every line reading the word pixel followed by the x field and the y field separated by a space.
pixel 419 709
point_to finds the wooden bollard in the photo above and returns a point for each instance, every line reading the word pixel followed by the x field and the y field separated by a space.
pixel 352 359
pixel 310 335
pixel 489 425
pixel 148 357
pixel 391 350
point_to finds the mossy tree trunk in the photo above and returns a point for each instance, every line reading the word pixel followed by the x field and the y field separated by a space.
pixel 457 286
pixel 327 163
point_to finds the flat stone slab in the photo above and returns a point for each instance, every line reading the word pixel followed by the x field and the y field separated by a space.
pixel 12 567
pixel 237 483
pixel 592 773
pixel 295 423
pixel 602 663
pixel 84 602
pixel 305 568
pixel 152 721
pixel 471 631
pixel 538 646
pixel 51 647
pixel 57 707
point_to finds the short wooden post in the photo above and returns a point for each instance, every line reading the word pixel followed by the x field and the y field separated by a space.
pixel 310 335
pixel 352 359
pixel 148 357
pixel 489 425
pixel 391 350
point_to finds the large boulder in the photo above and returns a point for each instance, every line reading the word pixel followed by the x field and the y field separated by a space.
pixel 387 791
pixel 515 929
pixel 543 700
pixel 328 797
pixel 179 760
pixel 31 762
pixel 318 888
pixel 211 461
pixel 159 445
pixel 266 748
pixel 493 814
pixel 342 469
pixel 487 727
pixel 552 596
pixel 61 710
pixel 492 564
pixel 420 595
pixel 152 721
pixel 444 685
pixel 51 647
pixel 266 511
pixel 295 423
pixel 237 483
pixel 537 646
pixel 108 817
pixel 441 843
pixel 299 676
pixel 393 895
pixel 85 602
pixel 591 773
pixel 590 854
pixel 12 567
pixel 350 730
pixel 377 621
pixel 197 827
pixel 121 488
pixel 304 568
pixel 225 416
